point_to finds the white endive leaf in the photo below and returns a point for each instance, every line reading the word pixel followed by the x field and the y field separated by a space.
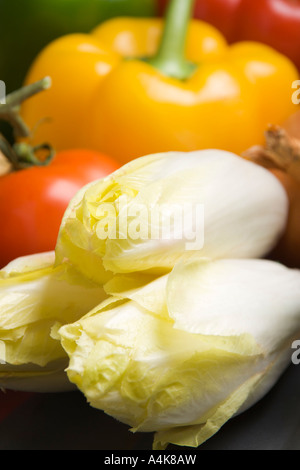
pixel 138 368
pixel 146 290
pixel 182 354
pixel 128 222
pixel 35 296
pixel 252 293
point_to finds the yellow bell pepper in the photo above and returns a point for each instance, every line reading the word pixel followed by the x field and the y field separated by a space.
pixel 140 86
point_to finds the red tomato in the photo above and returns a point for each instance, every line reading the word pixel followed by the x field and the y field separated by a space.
pixel 33 201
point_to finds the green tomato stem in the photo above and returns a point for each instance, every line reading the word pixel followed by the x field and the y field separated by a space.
pixel 22 156
pixel 170 58
pixel 19 154
pixel 10 110
pixel 26 155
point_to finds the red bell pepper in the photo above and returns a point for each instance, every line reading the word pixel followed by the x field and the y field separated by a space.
pixel 272 22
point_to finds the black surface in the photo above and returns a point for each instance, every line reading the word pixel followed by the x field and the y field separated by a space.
pixel 65 421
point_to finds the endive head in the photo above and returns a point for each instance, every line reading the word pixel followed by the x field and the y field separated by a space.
pixel 35 296
pixel 161 208
pixel 181 354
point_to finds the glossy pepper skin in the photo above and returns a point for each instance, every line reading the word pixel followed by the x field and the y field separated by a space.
pixel 117 90
pixel 273 22
pixel 27 26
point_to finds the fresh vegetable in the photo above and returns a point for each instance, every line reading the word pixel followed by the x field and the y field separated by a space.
pixel 28 26
pixel 281 155
pixel 34 296
pixel 273 22
pixel 182 355
pixel 34 197
pixel 245 212
pixel 33 201
pixel 139 80
pixel 174 340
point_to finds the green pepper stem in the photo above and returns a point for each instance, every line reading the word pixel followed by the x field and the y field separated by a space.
pixel 170 58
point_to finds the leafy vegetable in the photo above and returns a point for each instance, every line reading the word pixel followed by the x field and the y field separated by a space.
pixel 34 296
pixel 244 213
pixel 183 353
